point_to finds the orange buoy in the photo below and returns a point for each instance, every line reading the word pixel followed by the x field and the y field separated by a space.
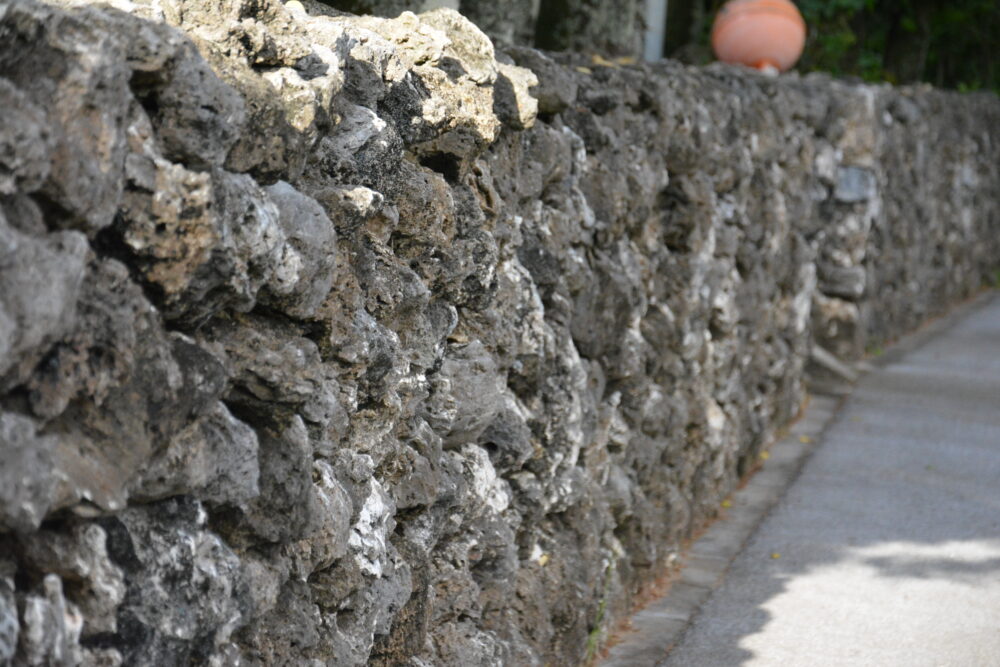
pixel 759 33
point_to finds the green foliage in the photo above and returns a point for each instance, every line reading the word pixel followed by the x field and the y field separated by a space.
pixel 950 44
pixel 829 9
pixel 597 631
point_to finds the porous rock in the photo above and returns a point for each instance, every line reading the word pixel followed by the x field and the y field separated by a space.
pixel 322 342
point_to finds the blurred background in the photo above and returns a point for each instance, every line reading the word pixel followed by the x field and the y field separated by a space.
pixel 952 44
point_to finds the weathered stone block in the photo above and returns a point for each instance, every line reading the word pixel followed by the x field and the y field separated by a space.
pixel 855 184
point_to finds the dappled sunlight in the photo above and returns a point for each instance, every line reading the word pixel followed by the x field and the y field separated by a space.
pixel 886 551
pixel 905 585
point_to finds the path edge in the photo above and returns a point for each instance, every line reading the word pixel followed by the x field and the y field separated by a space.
pixel 653 631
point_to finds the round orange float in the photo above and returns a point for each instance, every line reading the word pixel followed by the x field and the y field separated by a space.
pixel 759 33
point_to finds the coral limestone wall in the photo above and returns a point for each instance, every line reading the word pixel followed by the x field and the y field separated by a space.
pixel 330 340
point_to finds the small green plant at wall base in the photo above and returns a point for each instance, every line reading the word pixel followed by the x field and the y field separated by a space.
pixel 992 280
pixel 874 350
pixel 595 636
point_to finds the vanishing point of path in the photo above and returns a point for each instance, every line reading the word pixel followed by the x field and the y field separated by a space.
pixel 886 550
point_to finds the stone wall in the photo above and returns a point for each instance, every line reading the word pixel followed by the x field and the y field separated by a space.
pixel 334 340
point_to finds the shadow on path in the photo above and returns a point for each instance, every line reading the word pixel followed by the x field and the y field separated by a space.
pixel 886 551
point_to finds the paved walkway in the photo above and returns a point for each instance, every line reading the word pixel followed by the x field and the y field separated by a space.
pixel 886 550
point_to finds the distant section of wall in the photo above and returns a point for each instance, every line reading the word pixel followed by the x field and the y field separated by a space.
pixel 906 225
pixel 507 22
pixel 335 340
pixel 604 27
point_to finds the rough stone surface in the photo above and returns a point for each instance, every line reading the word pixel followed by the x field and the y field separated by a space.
pixel 507 22
pixel 323 342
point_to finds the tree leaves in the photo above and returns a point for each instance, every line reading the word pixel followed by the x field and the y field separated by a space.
pixel 950 44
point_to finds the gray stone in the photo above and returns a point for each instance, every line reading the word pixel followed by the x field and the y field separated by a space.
pixel 214 458
pixel 556 88
pixel 854 184
pixel 40 285
pixel 305 271
pixel 838 326
pixel 29 483
pixel 475 392
pixel 506 21
pixel 285 508
pixel 831 364
pixel 197 117
pixel 185 591
pixel 25 143
pixel 330 539
pixel 132 405
pixel 100 351
pixel 65 63
pixel 9 626
pixel 591 26
pixel 513 101
pixel 80 557
pixel 846 282
pixel 50 627
pixel 207 241
pixel 507 438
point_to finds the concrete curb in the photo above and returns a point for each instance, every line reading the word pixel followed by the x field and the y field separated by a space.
pixel 657 628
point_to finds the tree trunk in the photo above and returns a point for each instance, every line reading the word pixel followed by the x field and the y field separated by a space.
pixel 908 42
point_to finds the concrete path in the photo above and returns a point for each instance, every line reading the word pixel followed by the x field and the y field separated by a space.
pixel 886 550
